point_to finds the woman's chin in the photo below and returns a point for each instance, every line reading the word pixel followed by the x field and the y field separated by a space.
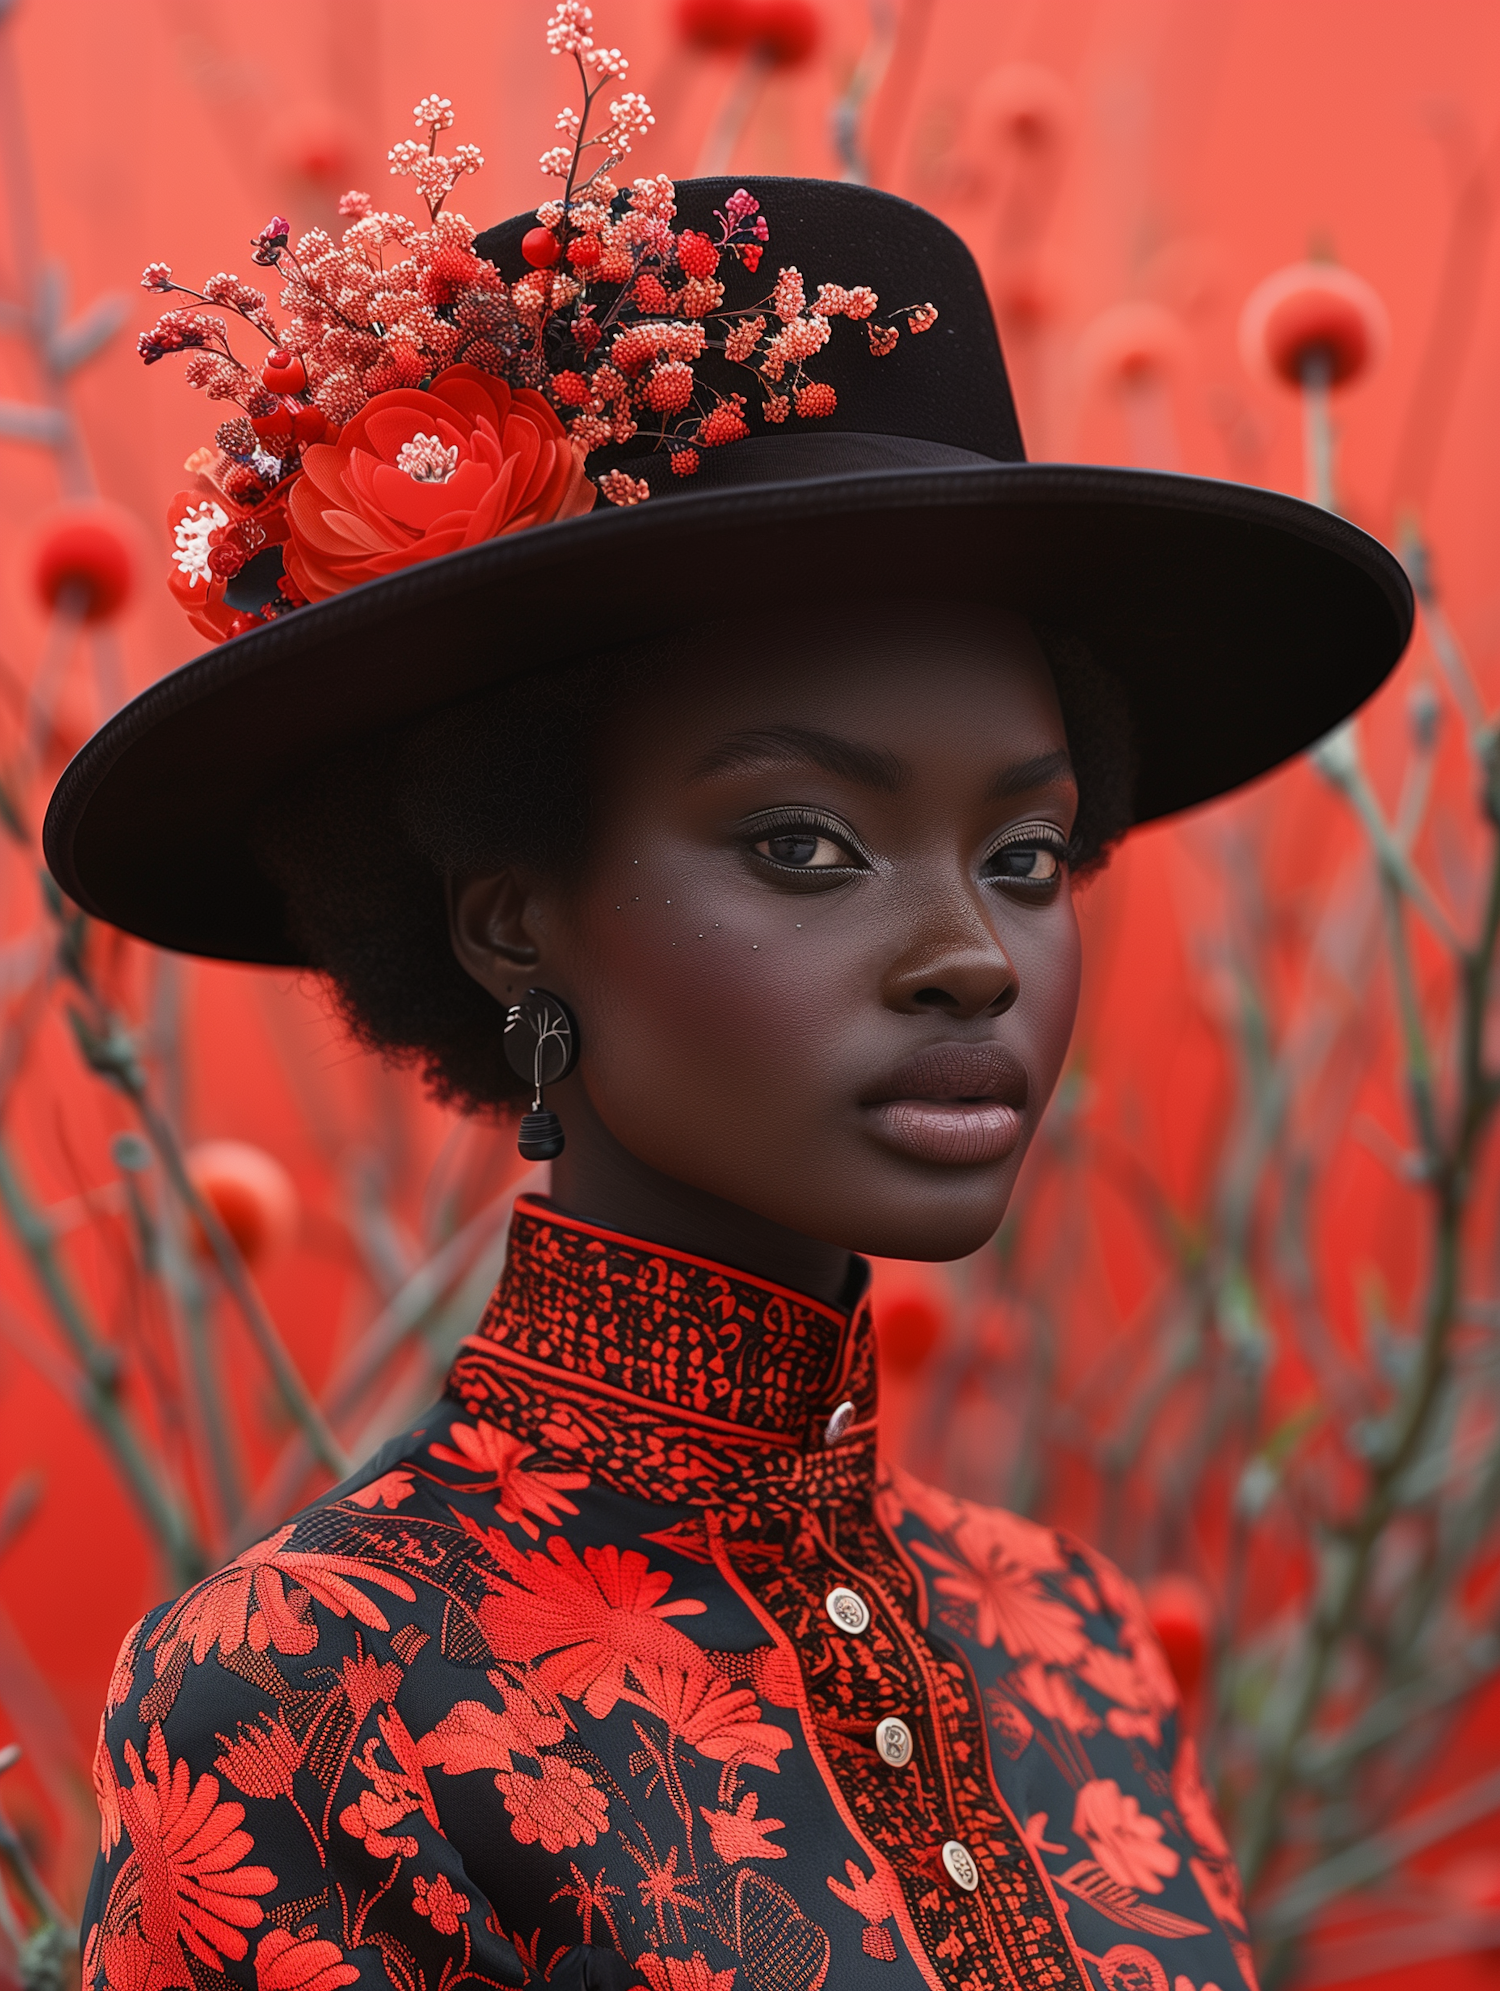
pixel 927 1213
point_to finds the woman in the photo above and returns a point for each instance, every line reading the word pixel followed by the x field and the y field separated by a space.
pixel 625 1665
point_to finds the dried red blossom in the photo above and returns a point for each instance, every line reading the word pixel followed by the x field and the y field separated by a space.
pixel 670 388
pixel 816 399
pixel 723 424
pixel 622 489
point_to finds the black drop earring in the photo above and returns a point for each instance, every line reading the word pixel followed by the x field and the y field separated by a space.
pixel 541 1046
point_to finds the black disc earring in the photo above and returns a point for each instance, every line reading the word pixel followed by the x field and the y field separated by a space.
pixel 541 1046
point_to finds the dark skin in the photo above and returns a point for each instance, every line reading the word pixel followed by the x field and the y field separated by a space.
pixel 823 952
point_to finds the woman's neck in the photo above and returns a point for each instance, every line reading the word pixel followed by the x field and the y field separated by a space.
pixel 596 1179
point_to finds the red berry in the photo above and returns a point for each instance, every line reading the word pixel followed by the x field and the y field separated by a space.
pixel 243 621
pixel 284 373
pixel 650 294
pixel 309 425
pixel 685 462
pixel 540 248
pixel 275 427
pixel 816 399
pixel 584 252
pixel 570 388
pixel 696 254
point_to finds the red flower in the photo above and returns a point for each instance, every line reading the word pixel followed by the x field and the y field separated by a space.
pixel 740 1835
pixel 1009 1603
pixel 596 1618
pixel 440 1902
pixel 1126 1841
pixel 472 1736
pixel 1054 1697
pixel 387 1491
pixel 285 1962
pixel 561 1807
pixel 868 1896
pixel 718 1720
pixel 419 473
pixel 394 1794
pixel 187 1851
pixel 194 518
pixel 485 1448
pixel 248 1604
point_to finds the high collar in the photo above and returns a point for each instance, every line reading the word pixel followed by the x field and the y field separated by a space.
pixel 677 1378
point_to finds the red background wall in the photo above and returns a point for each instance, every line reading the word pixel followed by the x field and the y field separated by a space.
pixel 1208 142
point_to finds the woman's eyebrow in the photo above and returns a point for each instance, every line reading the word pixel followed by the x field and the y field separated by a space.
pixel 791 746
pixel 1038 772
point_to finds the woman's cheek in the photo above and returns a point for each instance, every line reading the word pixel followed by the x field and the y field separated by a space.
pixel 690 982
pixel 1050 966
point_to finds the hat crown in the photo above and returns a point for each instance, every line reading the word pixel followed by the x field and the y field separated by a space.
pixel 947 387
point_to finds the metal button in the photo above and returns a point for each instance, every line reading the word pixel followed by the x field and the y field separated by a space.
pixel 848 1610
pixel 893 1740
pixel 960 1864
pixel 839 1422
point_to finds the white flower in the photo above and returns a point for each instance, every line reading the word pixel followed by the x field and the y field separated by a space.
pixel 193 529
pixel 434 110
pixel 425 460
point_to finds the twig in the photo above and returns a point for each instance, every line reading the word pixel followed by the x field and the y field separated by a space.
pixel 99 1379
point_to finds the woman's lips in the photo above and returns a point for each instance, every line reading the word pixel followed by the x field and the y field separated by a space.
pixel 957 1104
pixel 962 1133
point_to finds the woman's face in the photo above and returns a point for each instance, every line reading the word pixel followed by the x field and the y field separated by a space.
pixel 823 953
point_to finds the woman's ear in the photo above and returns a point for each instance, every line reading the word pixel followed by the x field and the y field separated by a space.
pixel 490 923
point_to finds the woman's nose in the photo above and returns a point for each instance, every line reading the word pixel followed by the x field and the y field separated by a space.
pixel 962 971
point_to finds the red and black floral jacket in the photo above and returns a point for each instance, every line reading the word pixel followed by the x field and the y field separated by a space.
pixel 627 1666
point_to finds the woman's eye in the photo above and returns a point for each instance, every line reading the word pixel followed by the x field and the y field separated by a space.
pixel 1026 863
pixel 804 849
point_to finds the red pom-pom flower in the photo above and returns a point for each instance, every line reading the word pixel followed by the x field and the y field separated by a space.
pixel 1311 312
pixel 249 1192
pixel 87 554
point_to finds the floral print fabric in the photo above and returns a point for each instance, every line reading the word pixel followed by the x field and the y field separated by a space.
pixel 553 1691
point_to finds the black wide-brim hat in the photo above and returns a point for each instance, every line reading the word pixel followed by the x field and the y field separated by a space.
pixel 1242 623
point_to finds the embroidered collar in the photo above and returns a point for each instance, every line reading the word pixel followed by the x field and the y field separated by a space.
pixel 673 1378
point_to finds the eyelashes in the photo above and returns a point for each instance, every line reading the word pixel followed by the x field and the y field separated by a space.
pixel 810 844
pixel 807 841
pixel 1031 855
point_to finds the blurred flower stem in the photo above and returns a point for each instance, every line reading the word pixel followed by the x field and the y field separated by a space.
pixel 109 1050
pixel 99 1380
pixel 47 1948
pixel 1447 1146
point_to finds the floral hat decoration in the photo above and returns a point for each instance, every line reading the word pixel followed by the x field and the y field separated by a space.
pixel 453 457
pixel 413 402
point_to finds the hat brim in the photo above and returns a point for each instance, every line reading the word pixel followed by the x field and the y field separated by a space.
pixel 1243 623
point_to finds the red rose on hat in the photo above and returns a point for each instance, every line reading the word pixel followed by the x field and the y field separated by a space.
pixel 424 471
